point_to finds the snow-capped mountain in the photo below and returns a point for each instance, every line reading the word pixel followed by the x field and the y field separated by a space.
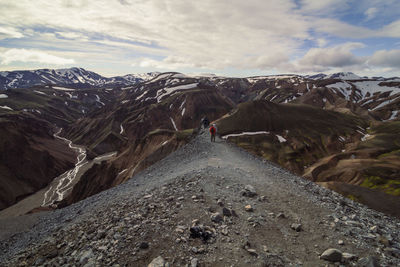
pixel 344 76
pixel 73 77
pixel 339 75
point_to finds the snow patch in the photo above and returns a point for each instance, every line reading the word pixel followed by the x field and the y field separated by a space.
pixel 98 100
pixel 343 87
pixel 173 123
pixel 393 116
pixel 170 90
pixel 121 172
pixel 63 88
pixel 244 133
pixel 165 142
pixel 280 138
pixel 3 96
pixel 40 92
pixel 373 87
pixel 6 107
pixel 142 95
pixel 183 111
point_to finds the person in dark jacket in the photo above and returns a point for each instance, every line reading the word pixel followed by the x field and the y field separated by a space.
pixel 205 122
pixel 213 132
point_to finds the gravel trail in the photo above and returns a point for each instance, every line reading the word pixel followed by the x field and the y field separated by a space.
pixel 207 204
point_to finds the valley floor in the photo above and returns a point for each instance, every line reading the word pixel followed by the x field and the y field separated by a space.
pixel 190 209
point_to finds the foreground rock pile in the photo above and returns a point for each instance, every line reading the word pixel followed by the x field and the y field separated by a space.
pixel 205 220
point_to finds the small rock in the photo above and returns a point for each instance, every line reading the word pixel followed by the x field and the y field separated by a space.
pixel 85 256
pixel 158 262
pixel 101 234
pixel 194 262
pixel 263 198
pixel 216 217
pixel 224 231
pixel 199 232
pixel 52 253
pixel 180 198
pixel 220 202
pixel 296 226
pixel 248 208
pixel 374 229
pixel 226 212
pixel 249 191
pixel 143 245
pixel 347 257
pixel 341 242
pixel 252 252
pixel 369 261
pixel 281 216
pixel 180 229
pixel 385 241
pixel 332 254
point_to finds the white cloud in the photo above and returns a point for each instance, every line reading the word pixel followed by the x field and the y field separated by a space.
pixel 338 56
pixel 207 34
pixel 385 58
pixel 24 55
pixel 324 6
pixel 371 12
pixel 392 29
pixel 9 32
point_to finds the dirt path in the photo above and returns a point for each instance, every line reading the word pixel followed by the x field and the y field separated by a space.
pixel 205 187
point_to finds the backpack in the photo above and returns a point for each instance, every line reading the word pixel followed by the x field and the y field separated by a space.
pixel 212 130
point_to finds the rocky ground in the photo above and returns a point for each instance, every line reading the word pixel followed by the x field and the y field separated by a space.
pixel 207 204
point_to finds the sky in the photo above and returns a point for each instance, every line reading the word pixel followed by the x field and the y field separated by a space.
pixel 227 37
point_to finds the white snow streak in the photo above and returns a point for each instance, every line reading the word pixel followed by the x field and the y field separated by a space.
pixel 173 123
pixel 244 133
pixel 165 142
pixel 3 96
pixel 6 107
pixel 280 138
pixel 183 111
pixel 40 92
pixel 121 172
pixel 63 88
pixel 170 90
pixel 98 100
pixel 122 129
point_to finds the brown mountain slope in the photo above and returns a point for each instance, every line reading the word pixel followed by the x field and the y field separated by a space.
pixel 31 157
pixel 330 148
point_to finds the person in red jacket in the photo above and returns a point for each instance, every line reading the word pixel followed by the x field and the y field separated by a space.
pixel 213 132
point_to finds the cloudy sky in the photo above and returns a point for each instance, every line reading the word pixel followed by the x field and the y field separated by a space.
pixel 228 37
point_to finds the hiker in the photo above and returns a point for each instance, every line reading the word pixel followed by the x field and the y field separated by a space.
pixel 213 132
pixel 205 122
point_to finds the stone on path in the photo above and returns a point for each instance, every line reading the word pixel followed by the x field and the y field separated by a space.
pixel 332 254
pixel 296 226
pixel 216 217
pixel 248 208
pixel 369 261
pixel 249 191
pixel 158 262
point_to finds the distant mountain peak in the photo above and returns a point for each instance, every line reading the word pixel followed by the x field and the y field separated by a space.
pixel 344 76
pixel 75 77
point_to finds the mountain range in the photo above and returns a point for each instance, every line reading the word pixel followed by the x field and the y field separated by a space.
pixel 73 77
pixel 339 130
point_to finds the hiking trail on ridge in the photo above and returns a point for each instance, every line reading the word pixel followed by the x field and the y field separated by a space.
pixel 206 204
